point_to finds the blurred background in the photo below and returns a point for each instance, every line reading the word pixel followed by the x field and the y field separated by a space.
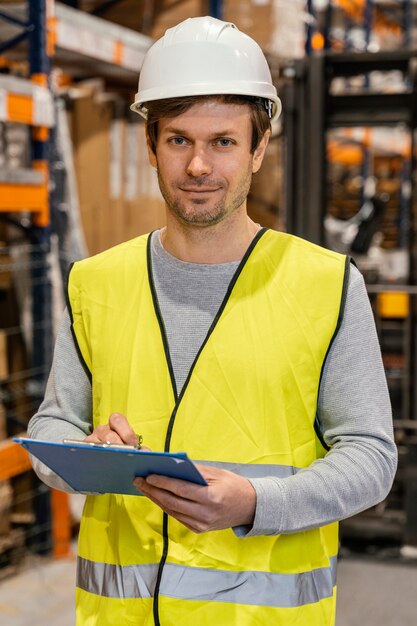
pixel 74 180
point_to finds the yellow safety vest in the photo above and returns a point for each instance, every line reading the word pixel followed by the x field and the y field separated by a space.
pixel 248 405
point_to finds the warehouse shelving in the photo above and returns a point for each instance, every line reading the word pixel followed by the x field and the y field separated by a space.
pixel 13 460
pixel 82 45
pixel 315 112
pixel 24 102
pixel 30 102
pixel 97 39
pixel 372 18
pixel 25 190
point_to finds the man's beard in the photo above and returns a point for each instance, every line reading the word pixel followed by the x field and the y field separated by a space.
pixel 198 215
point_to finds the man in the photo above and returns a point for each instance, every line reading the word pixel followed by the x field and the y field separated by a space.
pixel 252 350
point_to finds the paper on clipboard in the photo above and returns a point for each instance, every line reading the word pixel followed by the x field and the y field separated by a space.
pixel 99 470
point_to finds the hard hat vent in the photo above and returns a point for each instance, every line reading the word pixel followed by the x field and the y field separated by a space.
pixel 196 29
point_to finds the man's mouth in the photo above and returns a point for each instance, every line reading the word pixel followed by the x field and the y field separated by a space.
pixel 199 189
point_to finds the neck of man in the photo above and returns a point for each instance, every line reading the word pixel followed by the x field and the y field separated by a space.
pixel 224 242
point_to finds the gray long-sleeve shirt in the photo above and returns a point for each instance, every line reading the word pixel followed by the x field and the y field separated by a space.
pixel 353 408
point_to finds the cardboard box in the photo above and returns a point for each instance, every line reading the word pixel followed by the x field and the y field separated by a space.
pixel 144 205
pixel 145 214
pixel 118 217
pixel 266 196
pixel 277 25
pixel 91 119
pixel 118 188
pixel 256 19
pixel 173 12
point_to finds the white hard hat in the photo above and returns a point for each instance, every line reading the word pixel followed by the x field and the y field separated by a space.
pixel 205 56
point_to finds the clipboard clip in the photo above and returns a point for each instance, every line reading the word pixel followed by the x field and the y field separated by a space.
pixel 101 444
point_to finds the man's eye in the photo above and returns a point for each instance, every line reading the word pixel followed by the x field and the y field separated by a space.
pixel 177 141
pixel 224 143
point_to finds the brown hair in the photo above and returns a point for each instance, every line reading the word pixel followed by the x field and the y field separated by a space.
pixel 172 107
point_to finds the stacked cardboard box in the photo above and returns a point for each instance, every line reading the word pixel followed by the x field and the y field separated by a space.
pixel 255 18
pixel 266 196
pixel 277 25
pixel 144 205
pixel 91 118
pixel 118 193
pixel 172 12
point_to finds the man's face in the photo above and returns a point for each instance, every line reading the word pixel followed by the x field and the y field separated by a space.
pixel 204 162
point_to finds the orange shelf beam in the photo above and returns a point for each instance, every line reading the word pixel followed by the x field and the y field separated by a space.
pixel 14 459
pixel 61 524
pixel 19 197
pixel 19 108
pixel 117 53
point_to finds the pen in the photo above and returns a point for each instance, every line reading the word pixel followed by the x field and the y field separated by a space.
pixel 104 444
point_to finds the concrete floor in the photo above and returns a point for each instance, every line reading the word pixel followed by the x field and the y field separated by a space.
pixel 371 593
pixel 41 594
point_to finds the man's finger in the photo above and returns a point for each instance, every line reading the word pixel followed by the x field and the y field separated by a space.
pixel 167 500
pixel 181 488
pixel 111 437
pixel 184 511
pixel 161 498
pixel 119 424
pixel 103 434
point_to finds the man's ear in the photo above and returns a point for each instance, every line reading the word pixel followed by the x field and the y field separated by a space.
pixel 151 153
pixel 259 153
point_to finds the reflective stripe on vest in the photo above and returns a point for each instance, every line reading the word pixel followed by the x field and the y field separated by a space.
pixel 254 471
pixel 189 583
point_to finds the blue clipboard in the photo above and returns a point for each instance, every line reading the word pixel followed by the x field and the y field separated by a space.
pixel 100 469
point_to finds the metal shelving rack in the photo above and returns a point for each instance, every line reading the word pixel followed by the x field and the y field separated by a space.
pixel 30 102
pixel 25 102
pixel 312 108
pixel 92 37
pixel 81 44
pixel 371 16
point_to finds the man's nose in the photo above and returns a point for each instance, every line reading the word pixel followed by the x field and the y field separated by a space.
pixel 199 164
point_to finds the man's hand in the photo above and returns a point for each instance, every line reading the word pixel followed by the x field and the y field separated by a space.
pixel 228 500
pixel 117 430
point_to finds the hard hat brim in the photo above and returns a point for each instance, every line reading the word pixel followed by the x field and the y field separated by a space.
pixel 139 105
